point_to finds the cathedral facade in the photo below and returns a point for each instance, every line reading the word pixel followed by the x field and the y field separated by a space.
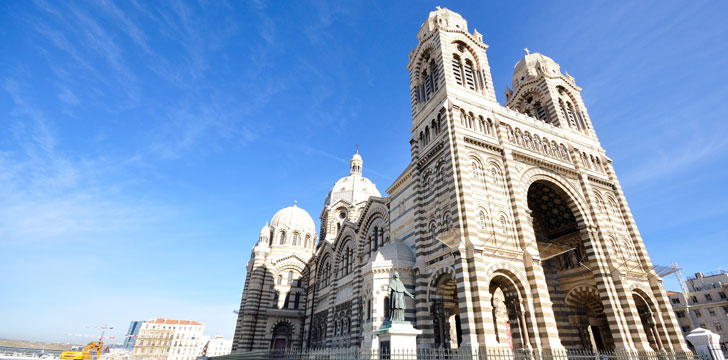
pixel 509 226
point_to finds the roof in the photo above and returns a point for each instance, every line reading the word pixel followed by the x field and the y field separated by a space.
pixel 672 293
pixel 172 321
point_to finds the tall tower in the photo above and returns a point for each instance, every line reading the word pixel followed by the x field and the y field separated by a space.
pixel 523 236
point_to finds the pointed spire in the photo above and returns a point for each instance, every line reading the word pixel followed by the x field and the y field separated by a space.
pixel 528 52
pixel 295 203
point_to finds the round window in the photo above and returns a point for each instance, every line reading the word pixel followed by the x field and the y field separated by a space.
pixel 342 214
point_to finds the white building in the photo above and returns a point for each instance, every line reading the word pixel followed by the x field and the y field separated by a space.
pixel 704 305
pixel 218 346
pixel 169 339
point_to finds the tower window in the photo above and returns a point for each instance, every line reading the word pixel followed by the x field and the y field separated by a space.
pixel 457 69
pixel 294 242
pixel 469 78
pixel 283 237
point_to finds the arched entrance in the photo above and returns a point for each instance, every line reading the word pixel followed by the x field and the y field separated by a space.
pixel 445 312
pixel 509 320
pixel 587 319
pixel 557 222
pixel 647 318
pixel 281 337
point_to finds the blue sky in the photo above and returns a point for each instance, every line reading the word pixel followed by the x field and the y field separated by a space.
pixel 143 146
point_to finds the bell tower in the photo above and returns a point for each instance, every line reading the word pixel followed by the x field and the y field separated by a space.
pixel 448 60
pixel 541 91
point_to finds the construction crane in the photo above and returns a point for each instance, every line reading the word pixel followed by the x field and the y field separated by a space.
pixel 76 353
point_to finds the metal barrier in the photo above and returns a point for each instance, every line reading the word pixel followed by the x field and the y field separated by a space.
pixel 455 354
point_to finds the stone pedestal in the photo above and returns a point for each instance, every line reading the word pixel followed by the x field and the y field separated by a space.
pixel 706 343
pixel 397 337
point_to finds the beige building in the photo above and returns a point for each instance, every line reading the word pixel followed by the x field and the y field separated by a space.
pixel 509 225
pixel 169 340
pixel 705 305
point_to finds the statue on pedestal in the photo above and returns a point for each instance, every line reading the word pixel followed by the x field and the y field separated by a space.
pixel 397 304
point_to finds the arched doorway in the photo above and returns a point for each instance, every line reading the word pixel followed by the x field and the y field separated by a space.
pixel 587 320
pixel 647 319
pixel 509 318
pixel 281 337
pixel 557 225
pixel 445 312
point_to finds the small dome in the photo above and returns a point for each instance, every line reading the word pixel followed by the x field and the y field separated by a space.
pixel 531 64
pixel 397 253
pixel 354 188
pixel 293 218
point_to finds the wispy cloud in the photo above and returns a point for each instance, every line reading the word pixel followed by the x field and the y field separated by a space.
pixel 46 194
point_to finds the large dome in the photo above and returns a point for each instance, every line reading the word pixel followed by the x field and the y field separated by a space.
pixel 354 188
pixel 293 217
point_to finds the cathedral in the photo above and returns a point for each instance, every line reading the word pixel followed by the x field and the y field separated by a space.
pixel 509 226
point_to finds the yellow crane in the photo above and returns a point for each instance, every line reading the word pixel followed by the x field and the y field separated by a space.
pixel 85 353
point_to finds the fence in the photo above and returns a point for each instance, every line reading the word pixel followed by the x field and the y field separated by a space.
pixel 456 354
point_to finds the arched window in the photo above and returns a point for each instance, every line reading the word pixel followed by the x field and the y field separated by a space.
pixel 294 242
pixel 541 112
pixel 481 220
pixel 504 225
pixel 290 278
pixel 307 241
pixel 283 237
pixel 457 69
pixel 469 77
pixel 434 74
pixel 481 125
pixel 433 232
pixel 471 121
pixel 447 221
pixel 435 130
pixel 280 280
pixel 572 117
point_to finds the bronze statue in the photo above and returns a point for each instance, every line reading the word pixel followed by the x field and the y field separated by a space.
pixel 396 293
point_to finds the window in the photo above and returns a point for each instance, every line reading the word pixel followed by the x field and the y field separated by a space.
pixel 722 295
pixel 457 69
pixel 469 77
pixel 280 279
pixel 297 301
pixel 694 299
pixel 481 220
pixel 708 297
pixel 290 278
pixel 675 300
pixel 680 314
pixel 308 239
pixel 718 327
pixel 283 237
pixel 504 225
pixel 294 242
pixel 711 312
pixel 697 313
